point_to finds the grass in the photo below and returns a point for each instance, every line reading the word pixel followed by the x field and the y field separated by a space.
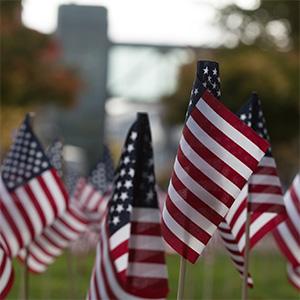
pixel 213 277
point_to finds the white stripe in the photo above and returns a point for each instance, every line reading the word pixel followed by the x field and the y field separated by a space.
pixel 28 205
pixel 5 275
pixel 217 177
pixel 94 200
pixel 267 161
pixel 53 236
pixel 146 242
pixel 292 210
pixel 294 277
pixel 190 212
pixel 145 215
pixel 55 191
pixel 240 221
pixel 66 233
pixel 12 242
pixel 84 194
pixel 121 262
pixel 147 270
pixel 229 130
pixel 199 191
pixel 35 265
pixel 42 199
pixel 265 180
pixel 266 198
pixel 289 240
pixel 75 223
pixel 40 254
pixel 236 204
pixel 181 233
pixel 119 236
pixel 222 153
pixel 296 186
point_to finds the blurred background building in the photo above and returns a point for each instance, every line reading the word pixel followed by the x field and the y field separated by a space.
pixel 88 69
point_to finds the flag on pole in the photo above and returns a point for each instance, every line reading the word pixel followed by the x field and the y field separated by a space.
pixel 130 261
pixel 6 273
pixel 263 195
pixel 45 248
pixel 216 156
pixel 287 233
pixel 32 194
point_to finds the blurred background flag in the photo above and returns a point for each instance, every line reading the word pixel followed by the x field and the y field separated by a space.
pixel 216 156
pixel 287 233
pixel 55 155
pixel 31 192
pixel 45 248
pixel 6 273
pixel 130 261
pixel 263 195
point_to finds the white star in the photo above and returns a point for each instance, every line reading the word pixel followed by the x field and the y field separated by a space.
pixel 133 135
pixel 219 93
pixel 209 78
pixel 128 184
pixel 131 172
pixel 123 172
pixel 119 208
pixel 214 71
pixel 204 84
pixel 196 91
pixel 126 160
pixel 205 70
pixel 214 85
pixel 151 178
pixel 116 220
pixel 129 208
pixel 119 184
pixel 124 196
pixel 260 124
pixel 130 148
pixel 112 209
pixel 115 197
pixel 150 195
pixel 243 117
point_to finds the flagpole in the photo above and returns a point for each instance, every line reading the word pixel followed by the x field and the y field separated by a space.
pixel 181 279
pixel 246 256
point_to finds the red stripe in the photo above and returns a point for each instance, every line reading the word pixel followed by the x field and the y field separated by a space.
pixel 96 287
pixel 60 186
pixel 222 139
pixel 150 256
pixel 295 199
pixel 266 189
pixel 145 228
pixel 50 240
pixel 231 118
pixel 119 250
pixel 195 202
pixel 36 204
pixel 6 244
pixel 187 223
pixel 182 248
pixel 293 230
pixel 284 248
pixel 262 170
pixel 4 292
pixel 203 180
pixel 213 159
pixel 86 202
pixel 265 207
pixel 60 233
pixel 238 212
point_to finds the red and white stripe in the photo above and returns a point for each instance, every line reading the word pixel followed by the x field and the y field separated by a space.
pixel 49 245
pixel 138 274
pixel 26 211
pixel 6 274
pixel 265 189
pixel 294 276
pixel 216 156
pixel 235 253
pixel 91 201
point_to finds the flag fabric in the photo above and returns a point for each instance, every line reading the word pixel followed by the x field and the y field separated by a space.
pixel 263 195
pixel 55 238
pixel 55 154
pixel 287 233
pixel 6 273
pixel 130 261
pixel 32 194
pixel 216 156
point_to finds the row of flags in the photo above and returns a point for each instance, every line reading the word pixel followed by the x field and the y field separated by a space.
pixel 223 171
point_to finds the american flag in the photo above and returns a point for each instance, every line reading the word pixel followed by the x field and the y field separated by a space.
pixel 263 195
pixel 6 273
pixel 55 154
pixel 45 248
pixel 287 234
pixel 216 156
pixel 32 194
pixel 130 261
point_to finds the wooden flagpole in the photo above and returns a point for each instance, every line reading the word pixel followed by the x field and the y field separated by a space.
pixel 181 279
pixel 246 256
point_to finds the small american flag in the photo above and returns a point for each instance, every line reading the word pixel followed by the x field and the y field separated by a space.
pixel 6 273
pixel 287 234
pixel 130 261
pixel 216 156
pixel 32 194
pixel 263 195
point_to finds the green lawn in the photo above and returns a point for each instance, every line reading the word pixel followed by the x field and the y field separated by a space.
pixel 212 278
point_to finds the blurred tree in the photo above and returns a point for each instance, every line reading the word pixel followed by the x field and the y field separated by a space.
pixel 262 66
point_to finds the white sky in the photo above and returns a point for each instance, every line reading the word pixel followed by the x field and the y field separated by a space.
pixel 184 22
